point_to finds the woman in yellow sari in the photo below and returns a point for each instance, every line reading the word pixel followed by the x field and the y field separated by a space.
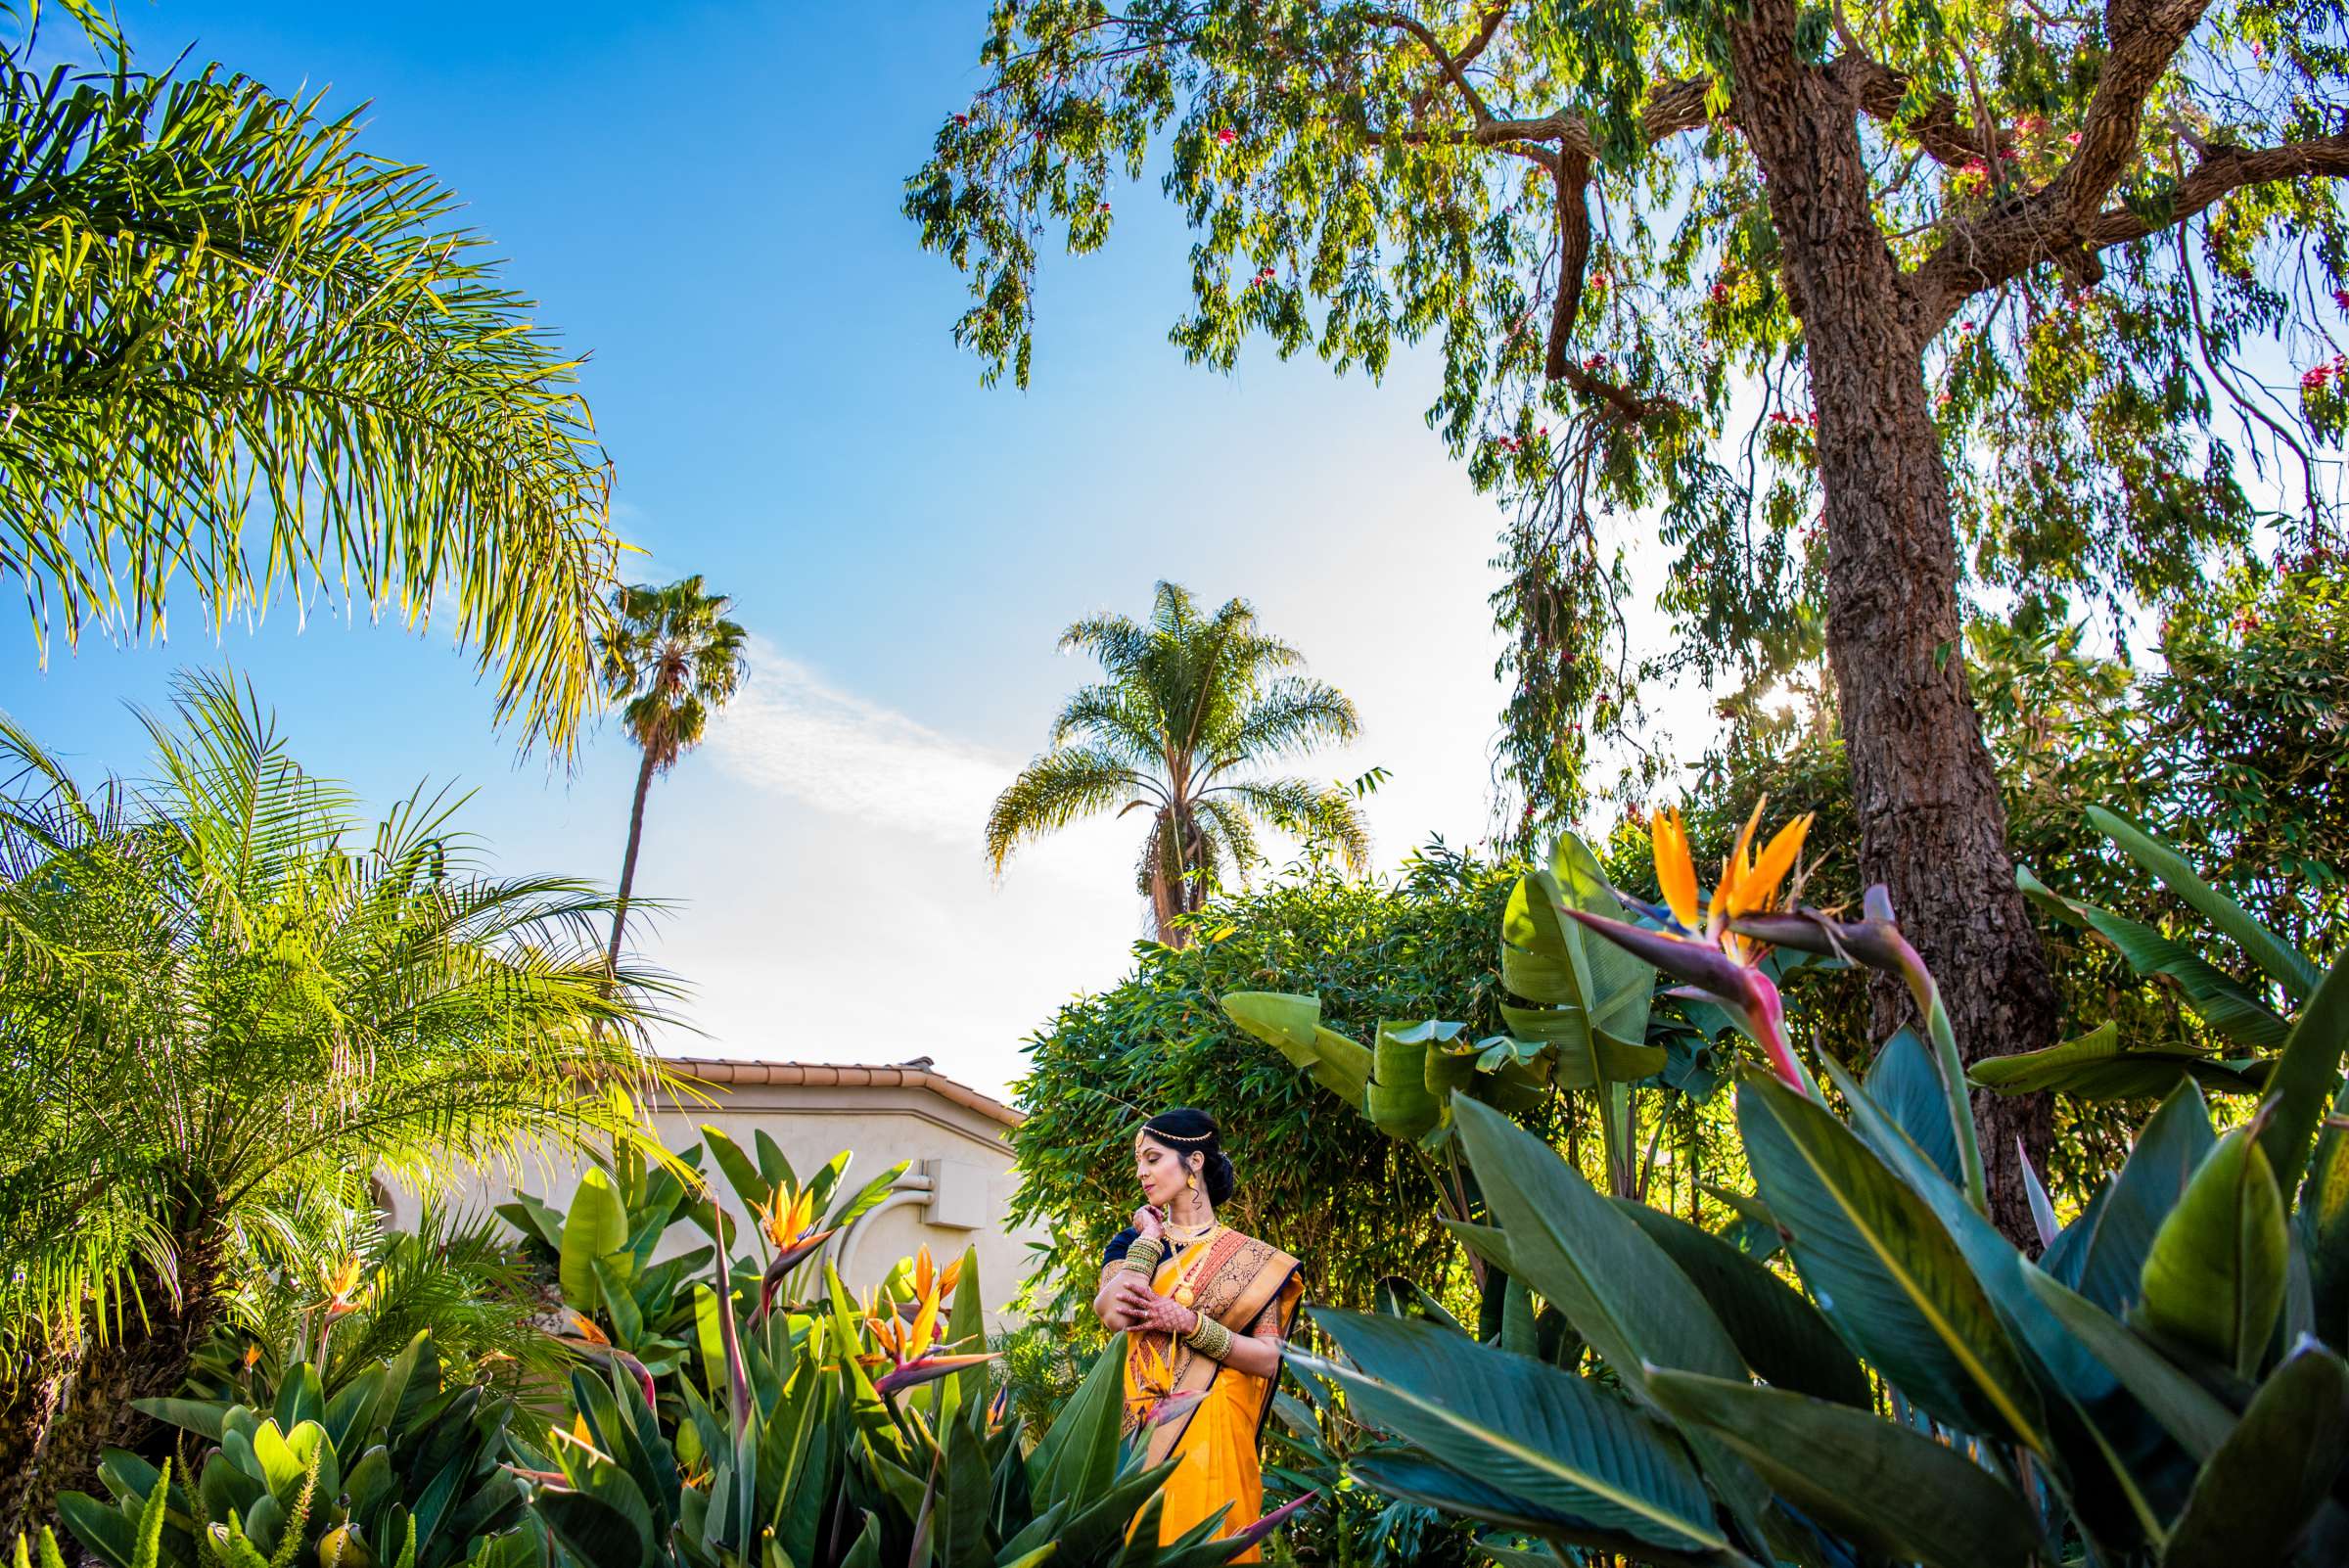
pixel 1206 1310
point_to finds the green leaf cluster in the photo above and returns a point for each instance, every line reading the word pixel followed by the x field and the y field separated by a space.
pixel 403 1467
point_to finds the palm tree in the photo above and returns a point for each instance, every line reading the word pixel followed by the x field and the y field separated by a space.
pixel 1189 706
pixel 225 999
pixel 215 293
pixel 671 656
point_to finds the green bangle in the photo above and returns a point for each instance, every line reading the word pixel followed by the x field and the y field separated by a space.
pixel 1210 1339
pixel 1143 1256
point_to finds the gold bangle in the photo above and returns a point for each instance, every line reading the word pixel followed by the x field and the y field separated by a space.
pixel 1143 1256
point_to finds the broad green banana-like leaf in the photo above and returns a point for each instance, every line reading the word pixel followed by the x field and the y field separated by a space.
pixel 593 1531
pixel 750 1183
pixel 1397 1471
pixel 1076 1457
pixel 1617 1288
pixel 1782 1337
pixel 2308 1074
pixel 1398 1099
pixel 1292 1026
pixel 2209 990
pixel 2322 1220
pixel 1887 1488
pixel 2214 1279
pixel 2259 1491
pixel 1488 1242
pixel 1885 1270
pixel 2188 1411
pixel 2096 1066
pixel 1525 1428
pixel 2121 1224
pixel 1905 1086
pixel 2286 966
pixel 595 1231
pixel 1584 1060
pixel 1601 991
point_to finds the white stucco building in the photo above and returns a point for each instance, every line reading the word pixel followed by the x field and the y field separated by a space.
pixel 955 1192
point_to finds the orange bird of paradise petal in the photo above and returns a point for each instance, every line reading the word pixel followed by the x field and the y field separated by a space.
pixel 1676 874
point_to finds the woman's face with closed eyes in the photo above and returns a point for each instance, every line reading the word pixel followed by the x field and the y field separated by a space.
pixel 1159 1170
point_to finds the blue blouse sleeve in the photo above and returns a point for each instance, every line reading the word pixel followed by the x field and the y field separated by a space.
pixel 1118 1244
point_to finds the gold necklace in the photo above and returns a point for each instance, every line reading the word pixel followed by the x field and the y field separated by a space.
pixel 1182 1293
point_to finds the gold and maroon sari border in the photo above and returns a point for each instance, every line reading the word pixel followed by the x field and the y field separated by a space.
pixel 1240 1276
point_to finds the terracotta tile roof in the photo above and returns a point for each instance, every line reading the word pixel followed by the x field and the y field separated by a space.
pixel 841 1074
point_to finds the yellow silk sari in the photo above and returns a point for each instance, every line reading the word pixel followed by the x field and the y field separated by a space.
pixel 1251 1288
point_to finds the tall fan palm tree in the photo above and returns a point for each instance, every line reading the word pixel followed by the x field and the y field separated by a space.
pixel 1191 705
pixel 221 995
pixel 214 292
pixel 671 657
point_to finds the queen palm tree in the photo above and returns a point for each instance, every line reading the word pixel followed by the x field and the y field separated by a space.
pixel 1191 708
pixel 671 656
pixel 216 292
pixel 224 998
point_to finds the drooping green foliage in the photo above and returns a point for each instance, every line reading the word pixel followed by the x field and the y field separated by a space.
pixel 220 310
pixel 225 1000
pixel 1190 709
pixel 2104 220
pixel 2153 1389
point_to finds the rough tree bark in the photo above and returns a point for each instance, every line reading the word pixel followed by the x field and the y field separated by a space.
pixel 63 1416
pixel 1932 826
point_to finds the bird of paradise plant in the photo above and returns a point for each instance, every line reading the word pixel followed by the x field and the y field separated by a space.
pixel 341 1282
pixel 1701 947
pixel 1717 951
pixel 909 1346
pixel 785 1220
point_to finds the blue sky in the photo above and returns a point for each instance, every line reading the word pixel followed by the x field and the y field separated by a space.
pixel 705 199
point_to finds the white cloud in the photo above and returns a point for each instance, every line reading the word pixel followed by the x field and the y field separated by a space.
pixel 791 733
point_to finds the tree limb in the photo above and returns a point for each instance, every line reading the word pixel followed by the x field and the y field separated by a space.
pixel 2145 36
pixel 1945 137
pixel 1453 68
pixel 1673 106
pixel 2039 229
pixel 1572 176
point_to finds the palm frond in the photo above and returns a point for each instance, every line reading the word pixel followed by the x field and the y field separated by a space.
pixel 1320 815
pixel 254 1010
pixel 243 314
pixel 1116 721
pixel 1291 716
pixel 1055 790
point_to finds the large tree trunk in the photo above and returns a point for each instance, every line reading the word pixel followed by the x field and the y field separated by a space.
pixel 74 1404
pixel 628 864
pixel 1932 826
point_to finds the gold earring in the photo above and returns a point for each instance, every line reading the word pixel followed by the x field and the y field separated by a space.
pixel 1192 1181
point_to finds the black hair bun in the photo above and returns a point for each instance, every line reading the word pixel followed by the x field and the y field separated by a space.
pixel 1218 1177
